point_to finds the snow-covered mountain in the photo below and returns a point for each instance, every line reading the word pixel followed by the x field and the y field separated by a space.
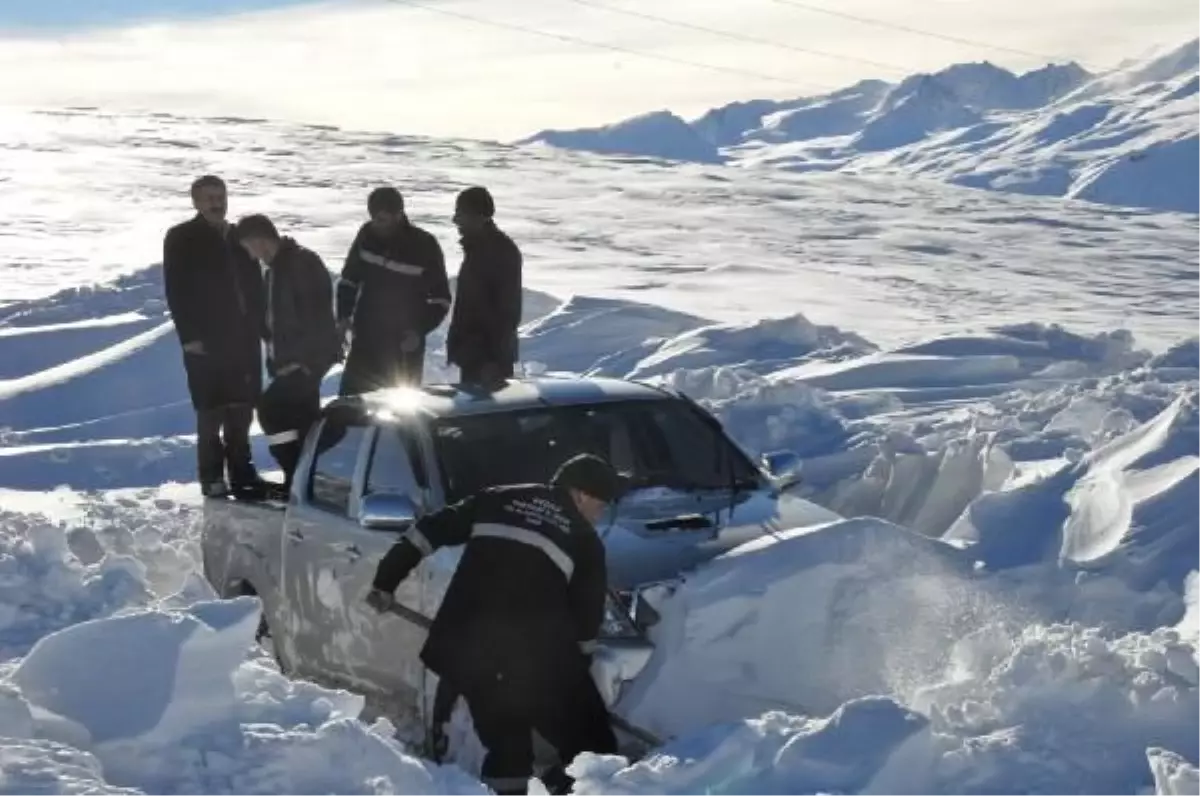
pixel 1127 137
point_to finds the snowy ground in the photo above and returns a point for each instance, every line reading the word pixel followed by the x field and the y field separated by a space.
pixel 1010 605
pixel 1126 137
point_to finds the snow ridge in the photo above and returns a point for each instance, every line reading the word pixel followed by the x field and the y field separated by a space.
pixel 1125 137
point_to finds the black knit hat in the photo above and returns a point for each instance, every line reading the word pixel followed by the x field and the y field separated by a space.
pixel 476 200
pixel 591 475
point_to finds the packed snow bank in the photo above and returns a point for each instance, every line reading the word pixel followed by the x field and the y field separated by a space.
pixel 1042 708
pixel 31 765
pixel 584 334
pixel 43 588
pixel 168 688
pixel 917 434
pixel 760 347
pixel 776 753
pixel 877 601
pixel 167 702
pixel 1048 709
pixel 1172 773
pixel 995 428
pixel 1127 509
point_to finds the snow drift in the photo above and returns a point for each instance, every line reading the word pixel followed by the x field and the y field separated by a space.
pixel 878 599
pixel 166 702
pixel 1126 137
pixel 1123 507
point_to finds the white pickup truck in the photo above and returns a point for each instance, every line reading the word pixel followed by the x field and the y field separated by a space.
pixel 373 463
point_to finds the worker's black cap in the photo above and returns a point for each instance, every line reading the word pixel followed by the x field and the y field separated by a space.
pixel 477 200
pixel 592 475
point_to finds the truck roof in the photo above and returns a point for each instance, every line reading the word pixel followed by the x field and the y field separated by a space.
pixel 450 400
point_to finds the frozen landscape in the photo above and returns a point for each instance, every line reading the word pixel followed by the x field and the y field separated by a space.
pixel 997 389
pixel 1124 137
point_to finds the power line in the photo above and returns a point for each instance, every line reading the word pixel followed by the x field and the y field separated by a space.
pixel 741 37
pixel 916 31
pixel 437 9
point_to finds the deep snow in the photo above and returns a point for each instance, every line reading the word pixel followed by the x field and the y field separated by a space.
pixel 1126 137
pixel 1010 605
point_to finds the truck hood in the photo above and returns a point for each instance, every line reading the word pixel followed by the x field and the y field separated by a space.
pixel 660 534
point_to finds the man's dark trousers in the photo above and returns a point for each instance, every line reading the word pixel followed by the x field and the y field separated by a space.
pixel 287 410
pixel 572 717
pixel 223 439
pixel 223 393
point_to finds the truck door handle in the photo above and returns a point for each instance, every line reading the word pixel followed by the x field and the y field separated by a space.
pixel 352 550
pixel 295 534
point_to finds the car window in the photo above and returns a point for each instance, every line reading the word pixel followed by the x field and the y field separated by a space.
pixel 395 465
pixel 337 452
pixel 654 442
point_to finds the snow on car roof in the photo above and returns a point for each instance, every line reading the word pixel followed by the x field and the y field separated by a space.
pixel 448 400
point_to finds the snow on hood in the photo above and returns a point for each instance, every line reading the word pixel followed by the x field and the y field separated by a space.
pixel 877 599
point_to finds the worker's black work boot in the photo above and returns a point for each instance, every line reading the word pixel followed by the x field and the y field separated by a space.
pixel 557 780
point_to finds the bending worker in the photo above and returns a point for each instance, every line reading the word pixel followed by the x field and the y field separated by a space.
pixel 520 617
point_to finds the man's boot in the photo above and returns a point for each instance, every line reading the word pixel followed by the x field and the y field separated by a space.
pixel 210 454
pixel 443 706
pixel 557 780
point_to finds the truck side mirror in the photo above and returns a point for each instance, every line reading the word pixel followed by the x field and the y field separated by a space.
pixel 386 510
pixel 783 466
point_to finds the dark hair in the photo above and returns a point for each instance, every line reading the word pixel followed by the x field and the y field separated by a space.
pixel 207 181
pixel 591 474
pixel 385 199
pixel 255 226
pixel 476 200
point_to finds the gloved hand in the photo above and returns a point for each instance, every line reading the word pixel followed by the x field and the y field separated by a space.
pixel 380 600
pixel 410 342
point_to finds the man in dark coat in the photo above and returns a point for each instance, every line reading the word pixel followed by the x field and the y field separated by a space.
pixel 215 294
pixel 301 336
pixel 521 616
pixel 482 339
pixel 395 289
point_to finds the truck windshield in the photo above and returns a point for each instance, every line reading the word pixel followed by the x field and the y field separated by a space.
pixel 655 443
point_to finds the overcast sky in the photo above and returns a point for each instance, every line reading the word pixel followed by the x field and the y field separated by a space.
pixel 387 65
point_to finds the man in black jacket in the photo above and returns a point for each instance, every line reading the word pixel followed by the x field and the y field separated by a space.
pixel 482 339
pixel 395 289
pixel 521 616
pixel 299 329
pixel 215 294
